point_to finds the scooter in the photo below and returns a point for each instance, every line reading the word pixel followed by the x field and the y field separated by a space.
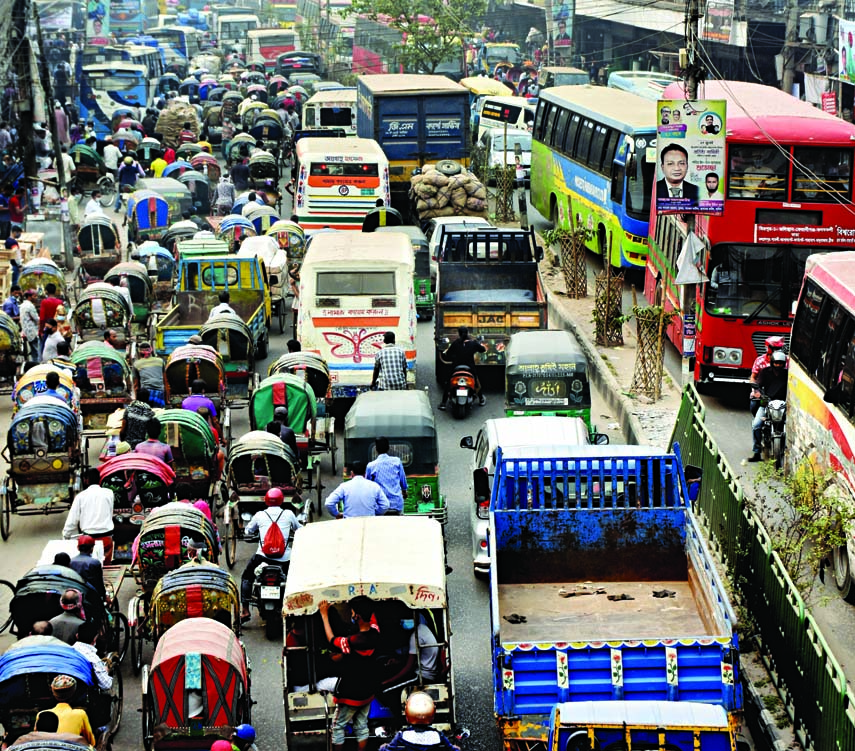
pixel 461 390
pixel 268 592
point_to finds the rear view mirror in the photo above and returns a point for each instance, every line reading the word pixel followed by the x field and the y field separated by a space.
pixel 467 442
pixel 274 280
pixel 518 149
pixel 601 439
pixel 538 253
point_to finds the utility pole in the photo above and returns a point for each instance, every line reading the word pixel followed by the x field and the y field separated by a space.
pixel 693 71
pixel 21 57
pixel 44 75
pixel 791 40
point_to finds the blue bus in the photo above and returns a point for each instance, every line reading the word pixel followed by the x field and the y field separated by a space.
pixel 593 163
pixel 183 39
pixel 105 87
pixel 130 17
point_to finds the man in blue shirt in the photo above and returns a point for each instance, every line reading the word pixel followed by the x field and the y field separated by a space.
pixel 358 496
pixel 11 305
pixel 388 472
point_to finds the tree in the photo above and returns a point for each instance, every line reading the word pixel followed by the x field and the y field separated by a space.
pixel 434 30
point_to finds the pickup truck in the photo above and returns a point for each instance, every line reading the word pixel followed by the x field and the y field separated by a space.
pixel 487 280
pixel 604 600
pixel 201 278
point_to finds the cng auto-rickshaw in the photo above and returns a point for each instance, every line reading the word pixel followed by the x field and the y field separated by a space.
pixel 406 419
pixel 424 278
pixel 399 563
pixel 546 373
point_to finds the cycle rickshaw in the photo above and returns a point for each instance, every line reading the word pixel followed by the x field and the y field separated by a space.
pixel 11 348
pixel 149 150
pixel 134 275
pixel 38 273
pixel 99 307
pixel 32 384
pixel 233 229
pixel 208 165
pixel 103 377
pixel 232 339
pixel 148 214
pixel 99 247
pixel 91 173
pixel 200 190
pixel 194 450
pixel 160 266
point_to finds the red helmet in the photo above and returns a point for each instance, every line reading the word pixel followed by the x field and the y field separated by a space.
pixel 274 497
pixel 775 342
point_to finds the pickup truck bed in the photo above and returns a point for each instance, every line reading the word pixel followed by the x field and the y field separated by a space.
pixel 551 618
pixel 489 295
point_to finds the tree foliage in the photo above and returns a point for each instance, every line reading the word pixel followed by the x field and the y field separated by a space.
pixel 434 30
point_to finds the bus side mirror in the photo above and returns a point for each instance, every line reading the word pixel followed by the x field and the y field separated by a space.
pixel 538 253
pixel 467 442
pixel 601 439
pixel 832 396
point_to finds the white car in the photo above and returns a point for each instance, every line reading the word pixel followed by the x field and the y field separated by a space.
pixel 433 232
pixel 492 144
pixel 545 436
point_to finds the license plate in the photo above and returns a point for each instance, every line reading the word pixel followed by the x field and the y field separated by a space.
pixel 462 392
pixel 270 593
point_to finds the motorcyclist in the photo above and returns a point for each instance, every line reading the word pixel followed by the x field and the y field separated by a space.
pixel 462 351
pixel 771 381
pixel 420 734
pixel 243 738
pixel 773 344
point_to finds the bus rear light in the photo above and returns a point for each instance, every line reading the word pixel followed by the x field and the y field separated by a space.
pixel 727 356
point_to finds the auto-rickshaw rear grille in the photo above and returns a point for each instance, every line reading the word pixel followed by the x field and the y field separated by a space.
pixel 327 302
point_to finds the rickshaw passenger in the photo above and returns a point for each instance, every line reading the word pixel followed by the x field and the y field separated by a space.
pixel 261 523
pixel 74 721
pixel 137 415
pixel 357 495
pixel 85 645
pixel 62 359
pixel 223 308
pixel 91 514
pixel 286 433
pixel 66 624
pixel 359 670
pixel 153 446
pixel 388 472
pixel 87 565
pixel 148 373
pixel 52 383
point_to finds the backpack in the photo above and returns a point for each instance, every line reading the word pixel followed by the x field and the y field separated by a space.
pixel 273 544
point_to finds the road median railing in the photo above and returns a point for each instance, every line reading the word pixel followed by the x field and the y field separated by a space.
pixel 809 679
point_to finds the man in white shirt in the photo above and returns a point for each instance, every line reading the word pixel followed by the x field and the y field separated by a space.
pixel 93 205
pixel 68 165
pixel 30 325
pixel 85 645
pixel 52 339
pixel 91 514
pixel 223 308
pixel 112 155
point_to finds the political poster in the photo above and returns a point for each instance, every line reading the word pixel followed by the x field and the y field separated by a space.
pixel 846 45
pixel 718 21
pixel 98 22
pixel 690 156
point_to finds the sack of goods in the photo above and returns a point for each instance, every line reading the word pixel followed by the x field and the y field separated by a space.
pixel 171 122
pixel 446 189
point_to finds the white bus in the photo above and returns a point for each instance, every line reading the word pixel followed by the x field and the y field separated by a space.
pixel 339 181
pixel 232 29
pixel 354 287
pixel 495 111
pixel 331 108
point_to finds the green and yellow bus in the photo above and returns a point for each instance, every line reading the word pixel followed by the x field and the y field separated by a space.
pixel 593 164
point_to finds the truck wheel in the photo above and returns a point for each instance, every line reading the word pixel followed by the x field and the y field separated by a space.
pixel 843 574
pixel 449 167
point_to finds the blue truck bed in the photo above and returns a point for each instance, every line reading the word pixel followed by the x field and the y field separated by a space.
pixel 566 534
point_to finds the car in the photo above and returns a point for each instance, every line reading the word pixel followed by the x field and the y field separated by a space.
pixel 433 232
pixel 546 436
pixel 492 149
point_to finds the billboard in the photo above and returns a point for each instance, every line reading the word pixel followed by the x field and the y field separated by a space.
pixel 98 22
pixel 690 156
pixel 718 21
pixel 846 45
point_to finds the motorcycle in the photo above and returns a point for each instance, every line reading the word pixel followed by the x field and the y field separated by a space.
pixel 268 592
pixel 461 391
pixel 774 423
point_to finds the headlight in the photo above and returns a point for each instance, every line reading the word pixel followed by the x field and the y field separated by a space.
pixel 776 413
pixel 727 356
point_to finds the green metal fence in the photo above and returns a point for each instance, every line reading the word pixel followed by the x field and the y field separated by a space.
pixel 806 673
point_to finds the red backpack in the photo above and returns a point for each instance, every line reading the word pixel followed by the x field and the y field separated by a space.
pixel 273 544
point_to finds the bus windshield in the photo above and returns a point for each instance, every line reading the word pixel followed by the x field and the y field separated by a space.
pixel 639 187
pixel 336 117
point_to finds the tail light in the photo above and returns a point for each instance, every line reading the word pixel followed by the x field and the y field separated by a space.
pixel 137 508
pixel 484 511
pixel 271 576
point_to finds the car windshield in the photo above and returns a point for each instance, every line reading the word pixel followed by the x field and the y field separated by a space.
pixel 524 142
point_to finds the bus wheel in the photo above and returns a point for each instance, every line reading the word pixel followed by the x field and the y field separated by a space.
pixel 553 214
pixel 843 574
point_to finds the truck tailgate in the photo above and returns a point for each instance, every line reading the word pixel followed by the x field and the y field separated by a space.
pixel 505 319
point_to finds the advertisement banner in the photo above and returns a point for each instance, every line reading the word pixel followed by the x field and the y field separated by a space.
pixel 829 102
pixel 563 12
pixel 718 21
pixel 690 161
pixel 98 22
pixel 846 45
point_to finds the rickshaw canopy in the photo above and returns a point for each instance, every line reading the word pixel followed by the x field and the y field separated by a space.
pixel 198 654
pixel 289 235
pixel 58 431
pixel 149 208
pixel 101 369
pixel 230 337
pixel 384 558
pixel 179 165
pixel 97 234
pixel 10 335
pixel 195 591
pixel 139 282
pixel 286 390
pixel 307 365
pixel 32 383
pixel 101 306
pixel 188 431
pixel 278 462
pixel 54 658
pixel 163 258
pixel 191 362
pixel 138 462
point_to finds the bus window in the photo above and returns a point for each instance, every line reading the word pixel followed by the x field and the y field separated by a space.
pixel 583 145
pixel 358 283
pixel 560 128
pixel 821 174
pixel 757 172
pixel 640 174
pixel 336 117
pixel 806 325
pixel 572 132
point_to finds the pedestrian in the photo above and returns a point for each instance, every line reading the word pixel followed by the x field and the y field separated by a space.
pixel 388 472
pixel 13 243
pixel 358 669
pixel 112 155
pixel 11 306
pixel 240 175
pixel 52 337
pixel 87 565
pixel 87 634
pixel 93 205
pixel 357 496
pixel 68 165
pixel 157 166
pixel 18 207
pixel 5 136
pixel 91 514
pixel 30 325
pixel 153 446
pixel 461 352
pixel 5 216
pixel 65 624
pixel 225 195
pixel 390 366
pixel 74 721
pixel 272 547
pixel 148 372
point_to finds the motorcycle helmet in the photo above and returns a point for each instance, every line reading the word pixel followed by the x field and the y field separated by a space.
pixel 245 733
pixel 274 497
pixel 420 709
pixel 221 745
pixel 779 358
pixel 775 342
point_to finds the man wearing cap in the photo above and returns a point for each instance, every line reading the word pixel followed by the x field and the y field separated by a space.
pixel 74 721
pixel 87 565
pixel 65 624
pixel 30 325
pixel 91 514
pixel 148 373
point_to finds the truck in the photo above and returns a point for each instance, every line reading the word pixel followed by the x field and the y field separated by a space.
pixel 487 281
pixel 605 603
pixel 416 119
pixel 201 279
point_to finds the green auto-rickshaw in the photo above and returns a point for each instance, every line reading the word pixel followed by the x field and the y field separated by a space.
pixel 406 419
pixel 546 373
pixel 424 277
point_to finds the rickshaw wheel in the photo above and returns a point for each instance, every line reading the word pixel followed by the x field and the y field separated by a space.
pixel 121 635
pixel 108 191
pixel 281 315
pixel 7 501
pixel 137 638
pixel 147 725
pixel 7 594
pixel 117 704
pixel 230 537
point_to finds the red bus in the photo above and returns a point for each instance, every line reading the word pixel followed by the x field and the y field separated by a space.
pixel 375 46
pixel 788 193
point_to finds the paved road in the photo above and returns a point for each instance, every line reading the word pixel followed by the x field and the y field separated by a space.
pixel 468 595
